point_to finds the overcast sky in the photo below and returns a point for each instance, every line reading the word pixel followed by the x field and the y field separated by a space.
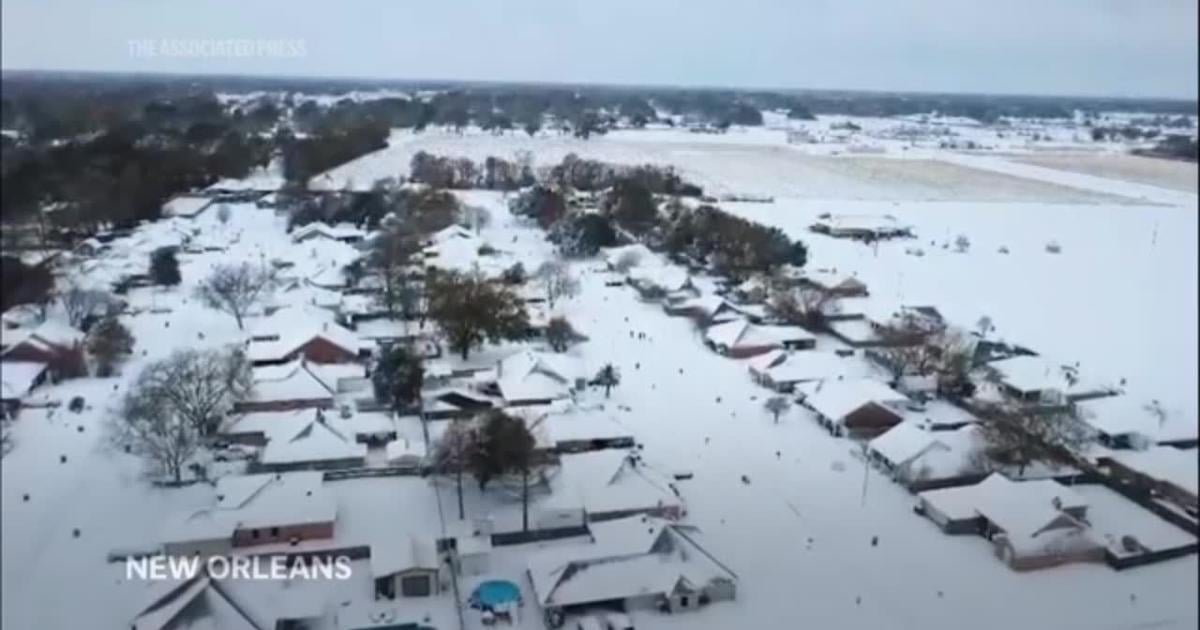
pixel 1084 47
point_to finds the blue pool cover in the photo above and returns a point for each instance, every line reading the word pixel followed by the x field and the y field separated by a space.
pixel 495 593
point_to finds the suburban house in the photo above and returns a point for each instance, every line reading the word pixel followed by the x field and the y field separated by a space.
pixel 860 407
pixel 654 282
pixel 577 431
pixel 782 370
pixel 454 403
pixel 910 453
pixel 855 331
pixel 637 253
pixel 834 283
pixel 938 415
pixel 277 340
pixel 606 484
pixel 206 601
pixel 343 232
pixel 1129 422
pixel 1163 471
pixel 53 343
pixel 1030 524
pixel 536 378
pixel 704 310
pixel 639 562
pixel 186 206
pixel 1034 379
pixel 315 446
pixel 285 387
pixel 17 379
pixel 860 226
pixel 405 566
pixel 251 510
pixel 741 338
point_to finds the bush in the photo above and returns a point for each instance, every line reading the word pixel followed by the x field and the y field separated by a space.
pixel 583 235
pixel 164 267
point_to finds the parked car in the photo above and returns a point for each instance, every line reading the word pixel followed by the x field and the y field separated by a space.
pixel 617 621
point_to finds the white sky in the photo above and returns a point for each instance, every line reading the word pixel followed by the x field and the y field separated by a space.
pixel 1085 47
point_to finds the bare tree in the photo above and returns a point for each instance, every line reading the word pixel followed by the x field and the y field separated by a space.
pixel 108 342
pixel 453 455
pixel 477 217
pixel 197 386
pixel 962 244
pixel 80 303
pixel 776 406
pixel 235 289
pixel 148 427
pixel 557 281
pixel 906 346
pixel 807 306
pixel 1021 435
pixel 954 358
pixel 984 326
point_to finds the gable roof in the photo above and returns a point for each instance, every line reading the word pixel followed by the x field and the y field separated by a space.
pixel 257 501
pixel 610 480
pixel 1032 373
pixel 316 441
pixel 835 399
pixel 633 556
pixel 17 377
pixel 393 554
pixel 531 375
pixel 1021 509
pixel 905 442
pixel 744 333
pixel 289 381
pixel 783 366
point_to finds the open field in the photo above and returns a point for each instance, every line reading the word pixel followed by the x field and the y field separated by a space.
pixel 1172 174
pixel 731 164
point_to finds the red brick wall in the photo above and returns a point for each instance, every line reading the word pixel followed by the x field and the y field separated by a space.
pixel 320 350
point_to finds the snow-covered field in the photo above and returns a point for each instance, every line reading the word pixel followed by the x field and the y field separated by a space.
pixel 1121 298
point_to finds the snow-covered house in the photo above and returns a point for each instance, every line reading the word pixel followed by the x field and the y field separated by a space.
pixel 741 338
pixel 861 407
pixel 704 310
pixel 454 402
pixel 1163 471
pixel 639 254
pixel 654 282
pixel 252 510
pixel 316 446
pixel 1127 421
pixel 56 344
pixel 606 484
pixel 782 370
pixel 283 337
pixel 536 378
pixel 639 562
pixel 17 379
pixel 577 430
pixel 860 226
pixel 1038 380
pixel 404 566
pixel 343 232
pixel 205 600
pixel 834 283
pixel 856 332
pixel 1031 524
pixel 911 453
pixel 287 386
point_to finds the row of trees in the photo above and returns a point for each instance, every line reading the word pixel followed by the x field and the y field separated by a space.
pixel 735 246
pixel 461 173
pixel 330 146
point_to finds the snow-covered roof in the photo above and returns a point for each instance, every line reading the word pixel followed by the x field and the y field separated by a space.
pixel 575 425
pixel 1128 414
pixel 854 330
pixel 258 501
pixel 531 375
pixel 17 377
pixel 315 442
pixel 1021 509
pixel 51 331
pixel 645 257
pixel 289 381
pixel 1165 463
pixel 743 333
pixel 904 442
pixel 634 556
pixel 391 554
pixel 831 279
pixel 341 231
pixel 1030 373
pixel 403 452
pixel 186 206
pixel 835 399
pixel 881 223
pixel 295 328
pixel 611 480
pixel 783 366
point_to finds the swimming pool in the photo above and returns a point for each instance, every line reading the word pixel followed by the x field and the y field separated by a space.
pixel 494 593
